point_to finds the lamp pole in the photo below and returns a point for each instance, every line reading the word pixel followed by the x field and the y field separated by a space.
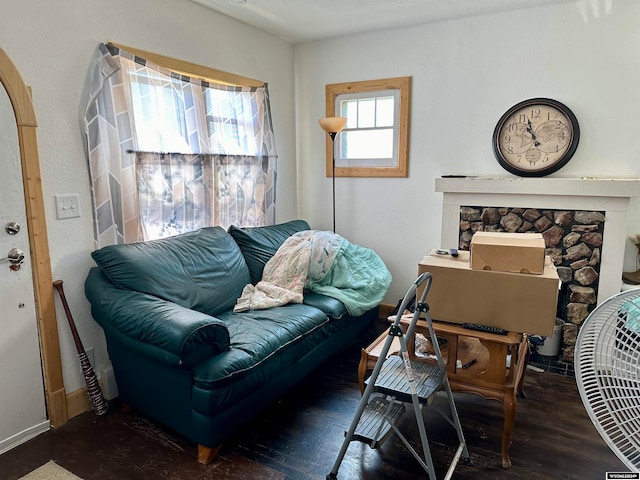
pixel 333 175
pixel 333 125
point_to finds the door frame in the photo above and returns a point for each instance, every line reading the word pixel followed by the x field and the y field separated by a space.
pixel 20 97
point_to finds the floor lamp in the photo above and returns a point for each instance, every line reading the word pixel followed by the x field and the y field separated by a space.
pixel 333 125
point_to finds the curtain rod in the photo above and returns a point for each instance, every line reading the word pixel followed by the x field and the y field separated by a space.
pixel 164 153
pixel 184 153
pixel 222 155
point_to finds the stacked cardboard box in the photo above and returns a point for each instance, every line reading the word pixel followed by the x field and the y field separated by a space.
pixel 508 252
pixel 520 302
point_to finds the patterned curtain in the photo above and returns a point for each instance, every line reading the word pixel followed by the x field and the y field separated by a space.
pixel 169 153
pixel 175 193
pixel 246 188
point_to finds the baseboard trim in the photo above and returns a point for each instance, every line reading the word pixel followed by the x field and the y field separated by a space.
pixel 23 436
pixel 78 402
pixel 384 310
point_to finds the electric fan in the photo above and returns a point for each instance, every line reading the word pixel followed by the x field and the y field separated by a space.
pixel 607 365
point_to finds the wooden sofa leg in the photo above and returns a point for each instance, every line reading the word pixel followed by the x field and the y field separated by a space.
pixel 206 455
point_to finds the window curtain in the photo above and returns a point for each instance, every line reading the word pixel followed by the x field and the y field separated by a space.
pixel 169 153
pixel 174 192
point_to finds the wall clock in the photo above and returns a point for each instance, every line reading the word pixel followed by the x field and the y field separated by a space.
pixel 536 137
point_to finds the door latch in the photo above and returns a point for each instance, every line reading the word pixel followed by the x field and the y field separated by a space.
pixel 15 257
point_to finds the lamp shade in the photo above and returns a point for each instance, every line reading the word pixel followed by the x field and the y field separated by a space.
pixel 332 124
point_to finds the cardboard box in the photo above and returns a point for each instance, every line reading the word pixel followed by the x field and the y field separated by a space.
pixel 516 302
pixel 508 252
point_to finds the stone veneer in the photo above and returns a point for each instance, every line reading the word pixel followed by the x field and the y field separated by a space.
pixel 573 240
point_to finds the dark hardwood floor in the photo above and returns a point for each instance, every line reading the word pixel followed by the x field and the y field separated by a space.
pixel 299 438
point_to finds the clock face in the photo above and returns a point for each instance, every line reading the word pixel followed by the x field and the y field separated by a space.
pixel 536 137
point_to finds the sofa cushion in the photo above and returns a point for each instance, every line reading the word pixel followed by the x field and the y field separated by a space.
pixel 203 270
pixel 259 244
pixel 264 344
pixel 256 336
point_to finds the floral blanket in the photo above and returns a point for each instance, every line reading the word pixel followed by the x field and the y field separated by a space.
pixel 321 262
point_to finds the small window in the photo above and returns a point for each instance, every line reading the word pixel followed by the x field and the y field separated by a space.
pixel 374 140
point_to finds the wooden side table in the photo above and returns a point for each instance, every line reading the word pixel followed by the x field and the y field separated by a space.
pixel 497 372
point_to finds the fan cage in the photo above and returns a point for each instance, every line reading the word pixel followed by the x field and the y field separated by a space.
pixel 607 359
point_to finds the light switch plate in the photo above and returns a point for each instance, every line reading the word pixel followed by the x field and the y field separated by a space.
pixel 67 206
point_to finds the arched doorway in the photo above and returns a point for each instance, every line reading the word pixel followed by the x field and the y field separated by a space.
pixel 42 278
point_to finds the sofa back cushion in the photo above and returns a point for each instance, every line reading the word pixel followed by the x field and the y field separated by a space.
pixel 259 244
pixel 203 270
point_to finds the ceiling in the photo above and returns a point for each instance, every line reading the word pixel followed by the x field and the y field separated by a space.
pixel 297 21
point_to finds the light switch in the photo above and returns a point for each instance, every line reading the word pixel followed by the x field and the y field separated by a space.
pixel 67 206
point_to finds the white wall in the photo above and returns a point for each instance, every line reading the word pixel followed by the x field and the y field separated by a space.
pixel 52 44
pixel 465 75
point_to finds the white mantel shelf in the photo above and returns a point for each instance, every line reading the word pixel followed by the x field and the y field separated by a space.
pixel 597 187
pixel 611 195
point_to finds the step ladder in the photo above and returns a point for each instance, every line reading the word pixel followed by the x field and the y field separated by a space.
pixel 397 381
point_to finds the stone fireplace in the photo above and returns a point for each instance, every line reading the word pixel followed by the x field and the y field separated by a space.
pixel 573 240
pixel 583 221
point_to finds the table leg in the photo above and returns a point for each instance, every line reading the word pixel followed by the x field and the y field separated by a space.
pixel 509 405
pixel 362 369
pixel 523 361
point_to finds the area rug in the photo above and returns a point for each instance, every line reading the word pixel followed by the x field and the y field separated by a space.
pixel 50 471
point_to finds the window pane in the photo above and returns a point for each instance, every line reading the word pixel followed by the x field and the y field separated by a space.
pixel 155 131
pixel 224 116
pixel 349 109
pixel 384 112
pixel 367 113
pixel 367 144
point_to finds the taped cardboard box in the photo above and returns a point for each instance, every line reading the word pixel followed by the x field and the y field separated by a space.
pixel 516 302
pixel 508 252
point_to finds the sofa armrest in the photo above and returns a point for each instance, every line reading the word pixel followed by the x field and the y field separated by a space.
pixel 159 328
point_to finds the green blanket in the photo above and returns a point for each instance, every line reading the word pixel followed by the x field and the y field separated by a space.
pixel 358 278
pixel 321 262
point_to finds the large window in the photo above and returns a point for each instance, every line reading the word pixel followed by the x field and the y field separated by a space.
pixel 374 140
pixel 172 149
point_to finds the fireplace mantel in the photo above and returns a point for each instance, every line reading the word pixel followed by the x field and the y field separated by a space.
pixel 581 187
pixel 611 195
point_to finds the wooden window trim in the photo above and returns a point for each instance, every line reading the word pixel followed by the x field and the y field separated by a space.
pixel 398 83
pixel 192 69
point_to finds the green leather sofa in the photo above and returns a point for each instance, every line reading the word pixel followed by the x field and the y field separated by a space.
pixel 182 356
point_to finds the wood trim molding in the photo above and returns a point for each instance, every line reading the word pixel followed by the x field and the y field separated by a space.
pixel 20 98
pixel 403 85
pixel 78 401
pixel 384 310
pixel 193 69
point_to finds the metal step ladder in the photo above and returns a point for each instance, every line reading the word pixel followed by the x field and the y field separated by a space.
pixel 397 381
